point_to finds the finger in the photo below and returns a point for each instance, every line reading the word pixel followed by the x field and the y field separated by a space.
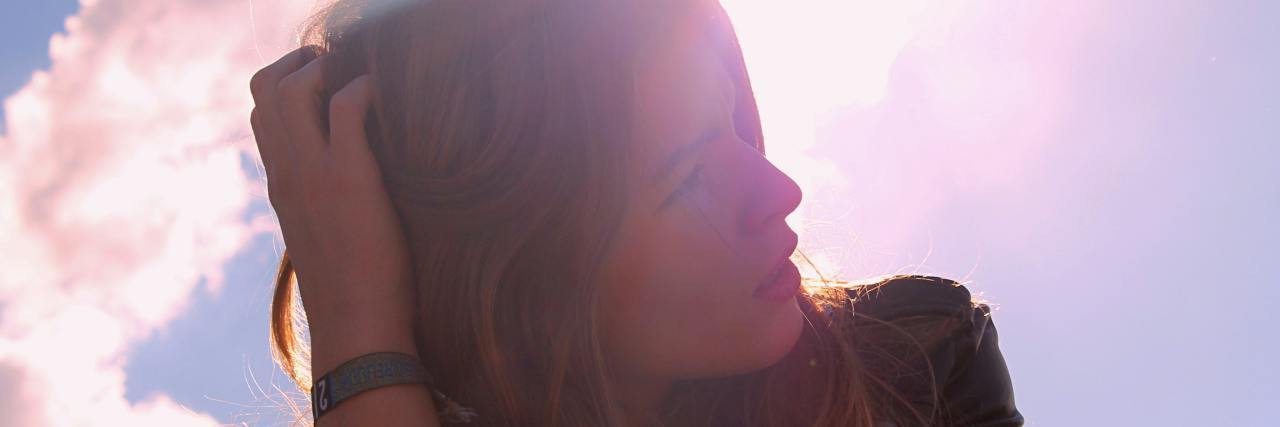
pixel 301 109
pixel 347 112
pixel 255 123
pixel 263 83
pixel 269 132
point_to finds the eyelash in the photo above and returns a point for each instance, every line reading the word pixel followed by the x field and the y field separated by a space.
pixel 685 185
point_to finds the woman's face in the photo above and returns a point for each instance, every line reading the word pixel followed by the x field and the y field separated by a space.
pixel 704 228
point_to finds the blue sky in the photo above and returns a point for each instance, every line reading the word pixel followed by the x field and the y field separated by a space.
pixel 26 32
pixel 1106 173
pixel 209 357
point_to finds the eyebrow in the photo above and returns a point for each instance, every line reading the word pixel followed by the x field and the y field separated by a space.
pixel 681 153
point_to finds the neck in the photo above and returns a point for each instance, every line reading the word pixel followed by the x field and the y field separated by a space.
pixel 640 400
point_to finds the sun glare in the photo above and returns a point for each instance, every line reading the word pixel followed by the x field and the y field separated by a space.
pixel 808 58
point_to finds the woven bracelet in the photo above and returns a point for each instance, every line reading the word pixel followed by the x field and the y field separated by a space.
pixel 364 373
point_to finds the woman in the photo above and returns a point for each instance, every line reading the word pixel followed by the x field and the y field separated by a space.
pixel 562 210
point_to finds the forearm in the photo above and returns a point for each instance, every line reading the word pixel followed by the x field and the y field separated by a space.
pixel 396 405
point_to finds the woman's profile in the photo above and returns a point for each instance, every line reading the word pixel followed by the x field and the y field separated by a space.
pixel 563 212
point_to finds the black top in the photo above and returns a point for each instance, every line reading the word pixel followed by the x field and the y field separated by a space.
pixel 957 335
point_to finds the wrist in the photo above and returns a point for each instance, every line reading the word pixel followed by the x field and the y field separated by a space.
pixel 365 373
pixel 332 345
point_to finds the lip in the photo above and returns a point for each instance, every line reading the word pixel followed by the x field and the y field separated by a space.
pixel 784 286
pixel 783 280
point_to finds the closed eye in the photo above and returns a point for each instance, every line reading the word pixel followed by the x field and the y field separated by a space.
pixel 686 185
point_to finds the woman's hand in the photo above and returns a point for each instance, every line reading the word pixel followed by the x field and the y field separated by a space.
pixel 340 229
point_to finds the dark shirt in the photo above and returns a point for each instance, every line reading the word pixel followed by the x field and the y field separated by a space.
pixel 955 346
pixel 959 340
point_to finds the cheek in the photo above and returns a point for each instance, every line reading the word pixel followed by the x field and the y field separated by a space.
pixel 651 288
pixel 674 305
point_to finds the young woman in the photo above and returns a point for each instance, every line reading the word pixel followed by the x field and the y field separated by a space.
pixel 562 210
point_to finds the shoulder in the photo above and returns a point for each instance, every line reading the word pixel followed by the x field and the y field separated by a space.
pixel 904 295
pixel 940 342
pixel 909 312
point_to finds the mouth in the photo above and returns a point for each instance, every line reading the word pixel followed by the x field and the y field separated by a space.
pixel 783 281
pixel 782 284
pixel 777 271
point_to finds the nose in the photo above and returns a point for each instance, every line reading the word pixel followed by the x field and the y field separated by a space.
pixel 775 196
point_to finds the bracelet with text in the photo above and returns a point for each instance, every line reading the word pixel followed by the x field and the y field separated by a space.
pixel 364 373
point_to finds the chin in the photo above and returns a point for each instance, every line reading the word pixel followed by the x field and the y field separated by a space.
pixel 779 338
pixel 773 342
pixel 790 327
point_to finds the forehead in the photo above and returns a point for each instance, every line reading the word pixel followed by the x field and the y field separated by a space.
pixel 681 89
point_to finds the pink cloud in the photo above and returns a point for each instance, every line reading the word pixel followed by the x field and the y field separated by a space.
pixel 884 112
pixel 970 106
pixel 121 188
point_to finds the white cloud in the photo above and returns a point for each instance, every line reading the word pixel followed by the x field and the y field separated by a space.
pixel 810 59
pixel 121 188
pixel 885 111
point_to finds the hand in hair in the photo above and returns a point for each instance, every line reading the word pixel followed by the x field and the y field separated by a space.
pixel 341 232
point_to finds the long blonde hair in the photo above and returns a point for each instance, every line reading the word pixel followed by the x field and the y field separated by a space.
pixel 499 125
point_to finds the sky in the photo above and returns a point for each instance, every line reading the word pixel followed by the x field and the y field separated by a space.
pixel 1105 173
